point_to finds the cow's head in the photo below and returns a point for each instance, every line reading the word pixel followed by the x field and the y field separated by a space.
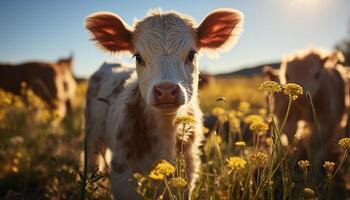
pixel 308 68
pixel 165 47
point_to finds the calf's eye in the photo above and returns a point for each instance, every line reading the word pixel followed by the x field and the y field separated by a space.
pixel 138 58
pixel 190 56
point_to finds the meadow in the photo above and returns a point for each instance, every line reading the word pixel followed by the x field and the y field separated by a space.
pixel 243 158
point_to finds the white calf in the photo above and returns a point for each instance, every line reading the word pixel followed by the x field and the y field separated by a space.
pixel 132 112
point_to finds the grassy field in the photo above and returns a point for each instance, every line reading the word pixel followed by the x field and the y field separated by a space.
pixel 41 159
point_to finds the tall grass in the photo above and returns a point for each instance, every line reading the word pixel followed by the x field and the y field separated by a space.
pixel 42 160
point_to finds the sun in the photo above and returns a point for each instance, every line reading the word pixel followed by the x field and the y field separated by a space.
pixel 308 7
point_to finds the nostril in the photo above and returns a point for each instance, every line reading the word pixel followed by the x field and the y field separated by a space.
pixel 175 91
pixel 157 92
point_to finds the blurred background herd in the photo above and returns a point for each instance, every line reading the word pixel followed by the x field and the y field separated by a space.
pixel 46 58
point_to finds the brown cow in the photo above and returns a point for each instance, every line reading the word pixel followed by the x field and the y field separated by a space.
pixel 52 82
pixel 325 79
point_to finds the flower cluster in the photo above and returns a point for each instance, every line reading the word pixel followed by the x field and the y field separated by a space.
pixel 259 127
pixel 205 130
pixel 269 141
pixel 304 164
pixel 329 167
pixel 240 144
pixel 177 182
pixel 309 193
pixel 161 170
pixel 250 119
pixel 244 106
pixel 292 90
pixel 258 158
pixel 270 87
pixel 217 111
pixel 345 143
pixel 235 163
pixel 216 139
pixel 186 119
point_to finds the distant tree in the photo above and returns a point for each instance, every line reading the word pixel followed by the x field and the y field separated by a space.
pixel 344 47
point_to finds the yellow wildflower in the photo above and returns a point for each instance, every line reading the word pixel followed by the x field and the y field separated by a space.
pixel 222 118
pixel 205 130
pixel 270 87
pixel 309 192
pixel 269 141
pixel 292 90
pixel 23 84
pixel 217 111
pixel 240 144
pixel 162 170
pixel 156 175
pixel 18 154
pixel 186 119
pixel 329 167
pixel 235 163
pixel 271 183
pixel 178 182
pixel 17 140
pixel 304 164
pixel 216 139
pixel 250 119
pixel 235 123
pixel 15 161
pixel 259 127
pixel 345 143
pixel 259 158
pixel 244 106
pixel 262 111
pixel 14 169
pixel 137 176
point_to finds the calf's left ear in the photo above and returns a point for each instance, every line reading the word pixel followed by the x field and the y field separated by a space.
pixel 219 28
pixel 110 32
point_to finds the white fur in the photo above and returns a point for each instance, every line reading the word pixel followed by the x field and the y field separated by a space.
pixel 121 114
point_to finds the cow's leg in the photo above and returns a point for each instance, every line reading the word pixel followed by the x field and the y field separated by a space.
pixel 93 128
pixel 320 139
pixel 123 185
pixel 92 149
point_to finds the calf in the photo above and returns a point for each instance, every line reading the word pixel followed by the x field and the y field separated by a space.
pixel 320 74
pixel 52 82
pixel 132 112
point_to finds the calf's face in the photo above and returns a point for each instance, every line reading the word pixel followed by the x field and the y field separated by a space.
pixel 306 71
pixel 165 47
pixel 309 69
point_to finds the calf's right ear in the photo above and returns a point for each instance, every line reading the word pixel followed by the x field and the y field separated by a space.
pixel 110 32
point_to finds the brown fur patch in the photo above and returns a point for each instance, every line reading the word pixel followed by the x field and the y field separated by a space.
pixel 136 142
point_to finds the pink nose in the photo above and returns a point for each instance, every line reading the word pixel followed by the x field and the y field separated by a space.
pixel 166 92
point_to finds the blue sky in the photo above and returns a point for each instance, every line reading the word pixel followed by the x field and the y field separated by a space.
pixel 47 30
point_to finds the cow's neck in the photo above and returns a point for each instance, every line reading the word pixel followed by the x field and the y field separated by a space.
pixel 165 132
pixel 150 133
